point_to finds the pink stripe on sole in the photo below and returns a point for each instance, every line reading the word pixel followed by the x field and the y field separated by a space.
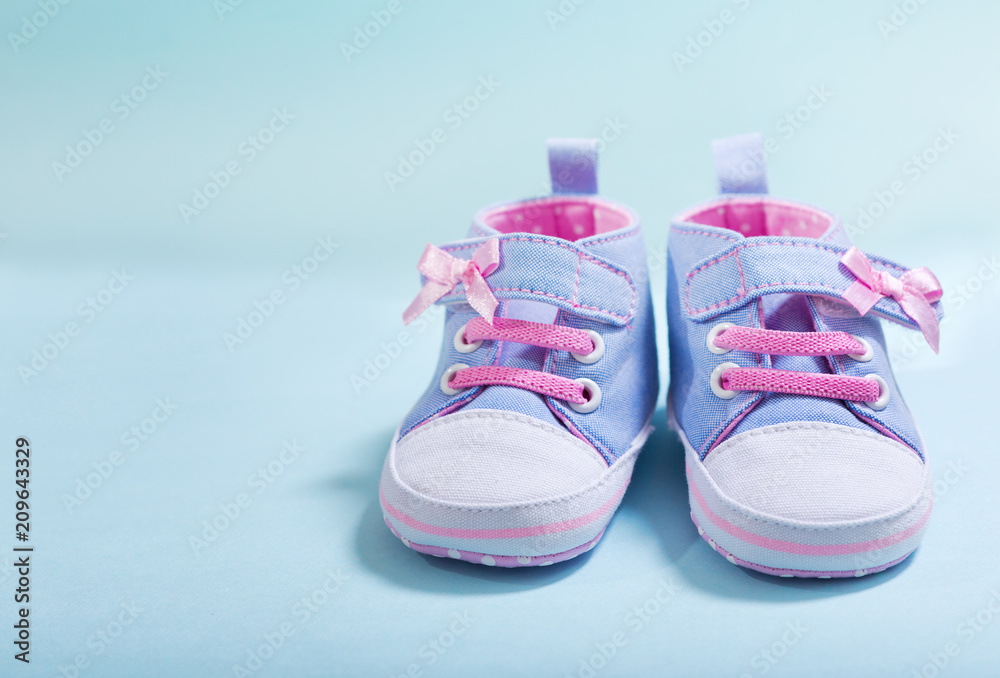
pixel 505 533
pixel 495 560
pixel 782 572
pixel 803 549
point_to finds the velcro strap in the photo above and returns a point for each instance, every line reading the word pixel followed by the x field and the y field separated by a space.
pixel 557 272
pixel 749 270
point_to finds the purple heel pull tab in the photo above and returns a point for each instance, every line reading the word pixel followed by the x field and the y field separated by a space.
pixel 573 165
pixel 741 163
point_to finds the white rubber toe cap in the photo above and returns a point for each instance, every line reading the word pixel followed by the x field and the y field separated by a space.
pixel 490 457
pixel 817 472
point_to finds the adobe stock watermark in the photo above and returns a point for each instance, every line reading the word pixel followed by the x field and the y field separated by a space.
pixel 769 656
pixel 958 298
pixel 301 612
pixel 390 352
pixel 363 35
pixel 763 493
pixel 714 28
pixel 224 7
pixel 579 161
pixel 431 652
pixel 900 14
pixel 102 640
pixel 57 342
pixel 291 281
pixel 31 24
pixel 865 561
pixel 454 117
pixel 247 151
pixel 562 12
pixel 6 570
pixel 956 471
pixel 230 510
pixel 121 108
pixel 914 169
pixel 966 632
pixel 612 130
pixel 636 620
pixel 963 293
pixel 131 440
pixel 787 126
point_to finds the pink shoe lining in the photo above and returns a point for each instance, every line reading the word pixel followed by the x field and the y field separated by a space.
pixel 558 337
pixel 756 216
pixel 836 386
pixel 775 342
pixel 567 218
pixel 544 383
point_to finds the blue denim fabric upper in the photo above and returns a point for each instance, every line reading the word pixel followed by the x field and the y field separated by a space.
pixel 596 283
pixel 782 283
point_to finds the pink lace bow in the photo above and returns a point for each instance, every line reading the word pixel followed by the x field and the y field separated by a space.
pixel 444 271
pixel 915 291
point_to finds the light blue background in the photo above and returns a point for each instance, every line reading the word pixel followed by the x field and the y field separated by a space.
pixel 163 336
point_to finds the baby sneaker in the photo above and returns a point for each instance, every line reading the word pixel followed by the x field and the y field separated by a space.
pixel 802 457
pixel 521 448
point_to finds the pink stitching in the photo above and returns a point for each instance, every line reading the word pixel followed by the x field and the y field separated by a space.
pixel 802 210
pixel 634 232
pixel 745 290
pixel 455 248
pixel 743 280
pixel 719 429
pixel 595 441
pixel 580 253
pixel 837 229
pixel 715 436
pixel 565 246
pixel 739 295
pixel 692 231
pixel 455 296
pixel 570 302
pixel 576 285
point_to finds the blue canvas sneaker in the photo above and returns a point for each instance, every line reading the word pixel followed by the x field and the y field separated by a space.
pixel 522 446
pixel 802 456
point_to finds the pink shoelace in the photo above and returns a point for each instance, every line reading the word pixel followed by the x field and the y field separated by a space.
pixel 535 334
pixel 774 342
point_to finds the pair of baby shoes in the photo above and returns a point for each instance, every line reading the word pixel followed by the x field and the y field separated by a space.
pixel 802 458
